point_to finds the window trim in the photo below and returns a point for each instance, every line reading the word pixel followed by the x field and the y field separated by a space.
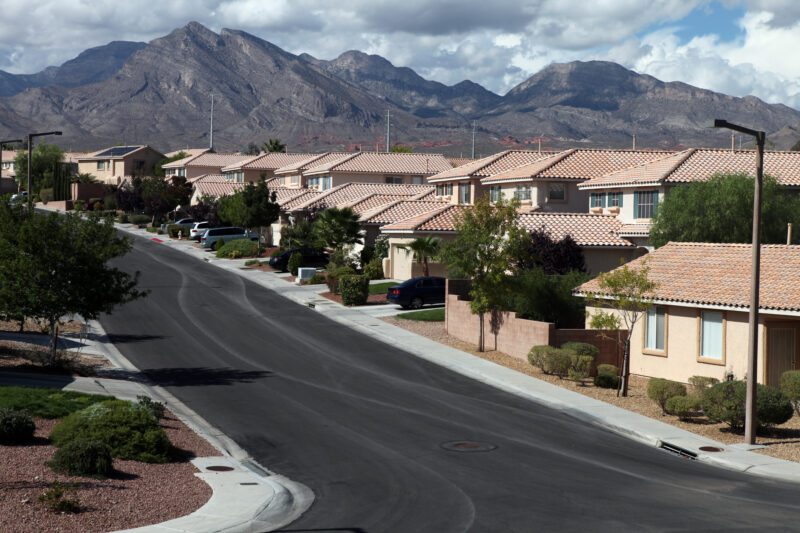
pixel 550 198
pixel 464 193
pixel 495 193
pixel 523 188
pixel 709 360
pixel 637 202
pixel 654 351
pixel 615 194
pixel 601 196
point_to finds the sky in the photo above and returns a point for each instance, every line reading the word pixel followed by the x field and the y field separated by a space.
pixel 734 47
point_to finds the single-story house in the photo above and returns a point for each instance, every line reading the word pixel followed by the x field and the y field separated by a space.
pixel 698 323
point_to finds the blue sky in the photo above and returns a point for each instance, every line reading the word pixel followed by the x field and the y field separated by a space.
pixel 738 47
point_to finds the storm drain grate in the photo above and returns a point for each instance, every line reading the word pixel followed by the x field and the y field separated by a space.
pixel 677 450
pixel 219 468
pixel 711 449
pixel 468 446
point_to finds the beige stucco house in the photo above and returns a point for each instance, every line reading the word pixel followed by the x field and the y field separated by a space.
pixel 698 324
pixel 202 164
pixel 112 165
pixel 251 170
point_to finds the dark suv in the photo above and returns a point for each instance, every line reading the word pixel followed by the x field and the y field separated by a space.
pixel 312 257
pixel 417 292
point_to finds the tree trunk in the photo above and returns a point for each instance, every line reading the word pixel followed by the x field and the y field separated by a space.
pixel 53 341
pixel 480 333
pixel 425 266
pixel 626 370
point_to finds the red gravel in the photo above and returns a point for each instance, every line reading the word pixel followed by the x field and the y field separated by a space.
pixel 372 299
pixel 143 494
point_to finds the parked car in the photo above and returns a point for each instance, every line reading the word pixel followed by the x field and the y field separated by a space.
pixel 416 292
pixel 227 234
pixel 198 229
pixel 312 257
pixel 185 222
pixel 19 197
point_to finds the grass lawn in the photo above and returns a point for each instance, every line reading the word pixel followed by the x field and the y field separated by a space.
pixel 47 403
pixel 427 315
pixel 381 288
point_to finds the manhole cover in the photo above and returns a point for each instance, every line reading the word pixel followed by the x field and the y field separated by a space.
pixel 468 446
pixel 219 468
pixel 711 449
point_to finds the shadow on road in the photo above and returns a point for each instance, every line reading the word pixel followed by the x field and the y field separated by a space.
pixel 193 376
pixel 123 338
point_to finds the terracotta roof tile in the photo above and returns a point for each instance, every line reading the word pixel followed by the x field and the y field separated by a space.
pixel 527 171
pixel 312 160
pixel 401 210
pixel 214 160
pixel 303 196
pixel 442 219
pixel 216 185
pixel 268 161
pixel 371 201
pixel 385 163
pixel 354 190
pixel 719 275
pixel 586 229
pixel 493 164
pixel 635 230
pixel 179 163
pixel 458 161
pixel 190 152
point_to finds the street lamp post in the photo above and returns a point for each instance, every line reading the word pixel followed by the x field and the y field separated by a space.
pixel 1 152
pixel 30 151
pixel 750 419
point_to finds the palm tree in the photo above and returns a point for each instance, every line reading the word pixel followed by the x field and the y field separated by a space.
pixel 274 145
pixel 423 248
pixel 337 227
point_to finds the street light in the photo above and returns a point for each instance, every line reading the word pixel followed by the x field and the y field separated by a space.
pixel 755 272
pixel 30 150
pixel 1 152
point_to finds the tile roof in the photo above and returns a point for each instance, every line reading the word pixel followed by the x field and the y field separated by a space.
pixel 267 161
pixel 442 219
pixel 347 192
pixel 9 155
pixel 384 163
pixel 400 210
pixel 493 164
pixel 216 185
pixel 372 201
pixel 425 195
pixel 215 160
pixel 190 152
pixel 719 275
pixel 97 155
pixel 701 164
pixel 635 230
pixel 303 196
pixel 311 161
pixel 179 163
pixel 586 229
pixel 527 171
pixel 458 161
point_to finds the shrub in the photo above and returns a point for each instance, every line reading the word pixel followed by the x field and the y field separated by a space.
pixel 606 381
pixel 374 269
pixel 110 203
pixel 83 458
pixel 684 407
pixel 47 195
pixel 725 402
pixel 558 362
pixel 339 258
pixel 382 247
pixel 790 386
pixel 660 390
pixel 124 219
pixel 333 277
pixel 608 369
pixel 236 248
pixel 317 279
pixel 93 201
pixel 701 383
pixel 155 230
pixel 97 206
pixel 295 262
pixel 55 498
pixel 582 348
pixel 354 289
pixel 581 367
pixel 16 427
pixel 538 354
pixel 366 255
pixel 252 262
pixel 157 409
pixel 174 229
pixel 79 205
pixel 130 430
pixel 140 219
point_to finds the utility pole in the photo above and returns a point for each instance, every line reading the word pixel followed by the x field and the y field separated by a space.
pixel 211 133
pixel 474 122
pixel 388 123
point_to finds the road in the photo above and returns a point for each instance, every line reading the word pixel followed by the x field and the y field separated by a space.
pixel 365 425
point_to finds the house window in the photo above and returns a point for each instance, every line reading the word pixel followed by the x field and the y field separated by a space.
pixel 558 192
pixel 655 328
pixel 495 191
pixel 445 189
pixel 523 192
pixel 182 172
pixel 313 182
pixel 712 335
pixel 239 177
pixel 615 199
pixel 138 164
pixel 327 182
pixel 646 203
pixel 101 165
pixel 416 180
pixel 597 199
pixel 295 179
pixel 463 193
pixel 395 180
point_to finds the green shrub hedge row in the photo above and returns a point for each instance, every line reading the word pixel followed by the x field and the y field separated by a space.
pixel 354 289
pixel 237 248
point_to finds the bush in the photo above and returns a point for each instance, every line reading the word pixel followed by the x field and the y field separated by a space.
pixel 374 269
pixel 47 195
pixel 16 427
pixel 354 289
pixel 367 254
pixel 558 362
pixel 55 498
pixel 538 354
pixel 608 369
pixel 140 219
pixel 110 203
pixel 382 247
pixel 174 229
pixel 79 205
pixel 252 262
pixel 701 383
pixel 581 367
pixel 725 402
pixel 155 230
pixel 130 430
pixel 237 248
pixel 660 390
pixel 790 386
pixel 341 258
pixel 684 407
pixel 317 279
pixel 93 201
pixel 582 348
pixel 157 409
pixel 83 458
pixel 47 403
pixel 124 219
pixel 295 262
pixel 333 278
pixel 606 381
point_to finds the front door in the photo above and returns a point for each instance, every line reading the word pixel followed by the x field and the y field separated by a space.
pixel 782 344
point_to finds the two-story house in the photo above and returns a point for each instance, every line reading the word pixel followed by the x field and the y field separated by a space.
pixel 112 165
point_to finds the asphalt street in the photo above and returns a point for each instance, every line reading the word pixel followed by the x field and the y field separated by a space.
pixel 389 442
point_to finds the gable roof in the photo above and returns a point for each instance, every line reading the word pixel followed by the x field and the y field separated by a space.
pixel 586 229
pixel 216 185
pixel 347 192
pixel 190 152
pixel 493 164
pixel 303 196
pixel 443 219
pixel 312 160
pixel 372 201
pixel 699 164
pixel 384 163
pixel 216 160
pixel 400 210
pixel 718 275
pixel 267 161
pixel 179 163
pixel 116 152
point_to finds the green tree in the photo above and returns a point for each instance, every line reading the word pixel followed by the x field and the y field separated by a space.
pixel 161 196
pixel 251 149
pixel 481 252
pixel 84 177
pixel 45 159
pixel 336 227
pixel 231 209
pixel 401 149
pixel 423 248
pixel 54 265
pixel 299 235
pixel 627 293
pixel 261 208
pixel 158 171
pixel 274 145
pixel 721 210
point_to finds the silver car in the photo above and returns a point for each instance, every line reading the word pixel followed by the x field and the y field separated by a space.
pixel 227 234
pixel 198 229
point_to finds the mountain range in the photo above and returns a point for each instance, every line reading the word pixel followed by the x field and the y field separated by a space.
pixel 159 93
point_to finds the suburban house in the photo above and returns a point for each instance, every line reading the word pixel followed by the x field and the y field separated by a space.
pixel 698 324
pixel 205 163
pixel 551 183
pixel 374 219
pixel 252 169
pixel 111 165
pixel 633 194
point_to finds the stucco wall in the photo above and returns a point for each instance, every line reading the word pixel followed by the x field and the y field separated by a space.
pixel 576 201
pixel 401 264
pixel 606 259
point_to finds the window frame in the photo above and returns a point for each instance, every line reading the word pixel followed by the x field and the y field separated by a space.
pixel 710 360
pixel 597 199
pixel 523 192
pixel 394 180
pixel 563 198
pixel 614 199
pixel 653 195
pixel 464 193
pixel 495 193
pixel 655 351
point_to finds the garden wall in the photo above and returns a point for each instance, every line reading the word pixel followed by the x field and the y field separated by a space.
pixel 85 191
pixel 507 333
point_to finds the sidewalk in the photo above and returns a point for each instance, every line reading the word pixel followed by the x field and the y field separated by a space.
pixel 626 423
